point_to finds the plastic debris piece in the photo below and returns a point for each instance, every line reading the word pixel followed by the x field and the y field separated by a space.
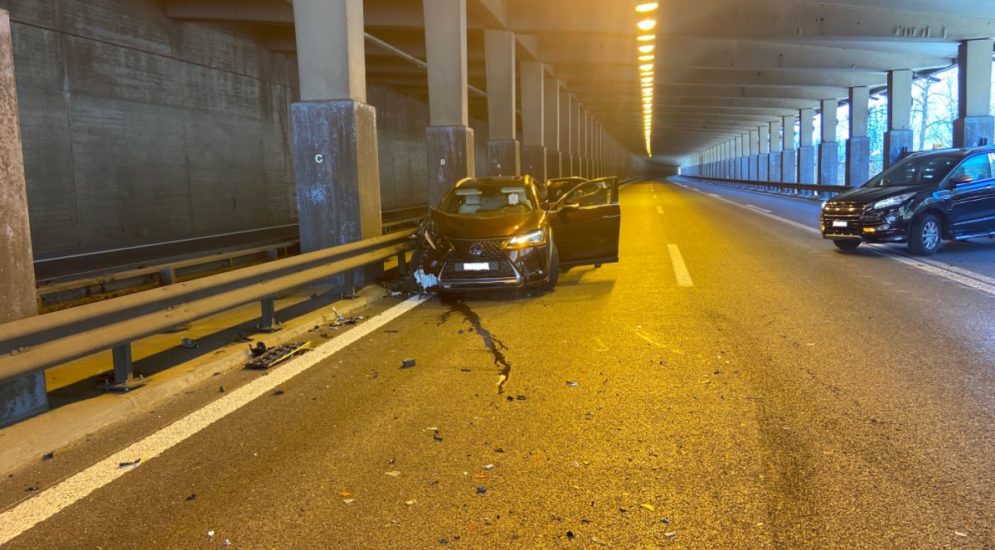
pixel 426 281
pixel 189 343
pixel 436 435
pixel 48 456
pixel 227 542
pixel 411 502
pixel 571 535
pixel 345 494
pixel 648 506
pixel 278 391
pixel 572 383
pixel 670 535
pixel 210 534
pixel 135 462
pixel 665 521
pixel 276 355
pixel 960 533
pixel 31 489
pixel 443 541
pixel 393 473
pixel 489 467
pixel 407 363
pixel 481 490
pixel 191 497
pixel 348 500
pixel 520 397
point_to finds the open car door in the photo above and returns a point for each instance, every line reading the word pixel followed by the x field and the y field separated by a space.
pixel 586 221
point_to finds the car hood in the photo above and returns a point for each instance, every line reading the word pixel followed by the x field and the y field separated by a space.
pixel 456 226
pixel 867 195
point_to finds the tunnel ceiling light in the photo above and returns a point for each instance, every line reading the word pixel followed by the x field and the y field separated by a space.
pixel 647 80
pixel 649 57
pixel 646 25
pixel 646 37
pixel 646 67
pixel 647 7
pixel 647 48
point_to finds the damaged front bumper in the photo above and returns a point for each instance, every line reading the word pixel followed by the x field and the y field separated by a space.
pixel 482 264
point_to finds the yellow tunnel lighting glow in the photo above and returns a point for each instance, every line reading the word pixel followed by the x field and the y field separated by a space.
pixel 646 25
pixel 646 37
pixel 649 57
pixel 647 80
pixel 647 48
pixel 646 67
pixel 647 7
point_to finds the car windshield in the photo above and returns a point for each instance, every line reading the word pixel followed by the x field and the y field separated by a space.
pixel 483 199
pixel 915 171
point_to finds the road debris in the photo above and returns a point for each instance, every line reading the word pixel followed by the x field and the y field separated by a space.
pixel 48 456
pixel 345 494
pixel 960 533
pixel 348 500
pixel 571 535
pixel 489 467
pixel 393 473
pixel 191 497
pixel 426 281
pixel 648 506
pixel 277 355
pixel 436 435
pixel 227 542
pixel 258 349
pixel 670 535
pixel 221 389
pixel 572 383
pixel 411 502
pixel 133 463
pixel 407 363
pixel 278 391
pixel 189 343
pixel 210 534
pixel 481 490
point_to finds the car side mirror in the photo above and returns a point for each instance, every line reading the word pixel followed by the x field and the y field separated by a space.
pixel 962 179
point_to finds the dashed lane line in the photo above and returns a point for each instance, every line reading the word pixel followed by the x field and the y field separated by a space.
pixel 680 268
pixel 951 273
pixel 659 210
pixel 46 504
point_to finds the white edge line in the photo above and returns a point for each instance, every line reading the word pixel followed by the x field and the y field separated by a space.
pixel 46 504
pixel 680 268
pixel 964 277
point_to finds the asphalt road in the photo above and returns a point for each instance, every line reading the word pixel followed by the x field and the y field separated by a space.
pixel 771 392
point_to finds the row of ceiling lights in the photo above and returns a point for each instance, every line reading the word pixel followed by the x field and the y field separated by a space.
pixel 646 48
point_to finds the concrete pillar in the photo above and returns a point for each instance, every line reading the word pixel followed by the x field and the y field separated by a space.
pixel 737 155
pixel 898 137
pixel 806 147
pixel 532 76
pixel 334 132
pixel 589 146
pixel 504 155
pixel 24 396
pixel 577 128
pixel 754 155
pixel 829 149
pixel 763 157
pixel 858 147
pixel 789 160
pixel 975 124
pixel 776 146
pixel 566 134
pixel 450 148
pixel 551 110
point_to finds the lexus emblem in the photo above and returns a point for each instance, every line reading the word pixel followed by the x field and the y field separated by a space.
pixel 477 250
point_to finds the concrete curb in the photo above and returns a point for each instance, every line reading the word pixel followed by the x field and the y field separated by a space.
pixel 28 440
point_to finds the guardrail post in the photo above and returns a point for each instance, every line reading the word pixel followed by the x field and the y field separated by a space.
pixel 349 291
pixel 268 322
pixel 167 276
pixel 402 263
pixel 123 370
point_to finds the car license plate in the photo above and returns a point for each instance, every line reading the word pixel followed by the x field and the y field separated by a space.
pixel 838 223
pixel 477 266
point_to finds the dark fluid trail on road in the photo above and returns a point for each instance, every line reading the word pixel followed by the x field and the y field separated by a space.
pixel 492 343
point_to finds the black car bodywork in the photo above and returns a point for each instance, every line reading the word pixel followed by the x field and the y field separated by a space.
pixel 477 239
pixel 926 197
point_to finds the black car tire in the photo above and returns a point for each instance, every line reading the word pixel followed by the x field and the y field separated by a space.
pixel 846 244
pixel 925 235
pixel 553 269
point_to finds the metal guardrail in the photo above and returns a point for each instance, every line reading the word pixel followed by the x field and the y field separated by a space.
pixel 67 291
pixel 36 343
pixel 775 186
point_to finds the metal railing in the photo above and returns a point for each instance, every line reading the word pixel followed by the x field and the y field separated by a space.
pixel 795 189
pixel 37 343
pixel 68 291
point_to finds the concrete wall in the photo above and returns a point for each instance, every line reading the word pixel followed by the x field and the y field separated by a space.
pixel 138 128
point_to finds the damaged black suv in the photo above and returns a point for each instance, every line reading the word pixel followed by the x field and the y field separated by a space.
pixel 501 232
pixel 922 199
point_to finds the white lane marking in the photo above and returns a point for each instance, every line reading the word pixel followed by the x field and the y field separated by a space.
pixel 955 274
pixel 757 208
pixel 46 504
pixel 680 268
pixel 642 334
pixel 659 210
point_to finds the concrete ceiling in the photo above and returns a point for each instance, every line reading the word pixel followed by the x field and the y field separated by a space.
pixel 722 65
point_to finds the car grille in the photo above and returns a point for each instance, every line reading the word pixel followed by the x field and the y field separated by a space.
pixel 477 250
pixel 503 271
pixel 843 211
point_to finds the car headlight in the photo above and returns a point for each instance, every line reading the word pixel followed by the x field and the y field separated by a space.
pixel 527 240
pixel 824 203
pixel 892 202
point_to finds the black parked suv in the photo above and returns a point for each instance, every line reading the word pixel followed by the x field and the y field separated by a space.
pixel 926 197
